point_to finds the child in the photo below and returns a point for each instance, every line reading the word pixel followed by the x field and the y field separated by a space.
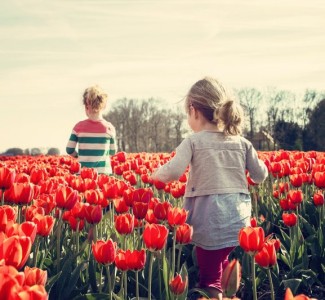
pixel 216 196
pixel 95 136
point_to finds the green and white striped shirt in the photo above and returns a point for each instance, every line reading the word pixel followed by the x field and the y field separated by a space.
pixel 96 142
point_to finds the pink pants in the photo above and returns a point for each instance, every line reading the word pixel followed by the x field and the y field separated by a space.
pixel 211 265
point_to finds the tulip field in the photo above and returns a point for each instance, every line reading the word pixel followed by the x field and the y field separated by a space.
pixel 69 233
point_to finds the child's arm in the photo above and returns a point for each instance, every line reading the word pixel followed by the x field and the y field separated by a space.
pixel 255 166
pixel 71 146
pixel 173 169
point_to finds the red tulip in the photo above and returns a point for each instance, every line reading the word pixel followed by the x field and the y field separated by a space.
pixel 104 252
pixel 176 216
pixel 76 224
pixel 178 285
pixel 296 196
pixel 155 236
pixel 319 179
pixel 184 234
pixel 93 213
pixel 44 224
pixel 28 229
pixel 130 260
pixel 124 223
pixel 35 276
pixel 8 216
pixel 120 205
pixel 36 292
pixel 94 196
pixel 20 193
pixel 38 175
pixel 66 197
pixel 15 250
pixel 253 222
pixel 289 219
pixel 296 180
pixel 161 209
pixel 266 257
pixel 88 173
pixel 251 239
pixel 318 198
pixel 7 177
pixel 159 185
pixel 150 217
pixel 289 296
pixel 231 277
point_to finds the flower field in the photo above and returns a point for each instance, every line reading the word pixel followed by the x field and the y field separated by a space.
pixel 70 233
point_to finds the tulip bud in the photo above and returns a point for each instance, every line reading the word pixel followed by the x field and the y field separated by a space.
pixel 231 277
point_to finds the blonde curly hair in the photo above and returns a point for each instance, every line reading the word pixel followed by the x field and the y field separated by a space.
pixel 217 105
pixel 94 98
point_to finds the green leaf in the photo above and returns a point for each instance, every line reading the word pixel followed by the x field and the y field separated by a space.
pixel 293 284
pixel 74 278
pixel 166 271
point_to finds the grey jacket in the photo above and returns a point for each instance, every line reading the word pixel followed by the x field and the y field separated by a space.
pixel 218 164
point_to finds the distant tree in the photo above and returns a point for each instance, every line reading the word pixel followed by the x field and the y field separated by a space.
pixel 145 125
pixel 288 135
pixel 35 151
pixel 14 151
pixel 314 133
pixel 53 151
pixel 250 99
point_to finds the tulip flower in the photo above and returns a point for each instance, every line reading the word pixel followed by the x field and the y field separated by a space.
pixel 38 175
pixel 93 213
pixel 296 180
pixel 35 276
pixel 289 219
pixel 44 224
pixel 155 236
pixel 33 292
pixel 184 234
pixel 8 216
pixel 24 229
pixel 266 257
pixel 88 173
pixel 15 250
pixel 178 285
pixel 124 223
pixel 120 205
pixel 251 239
pixel 319 179
pixel 20 193
pixel 289 296
pixel 318 198
pixel 66 197
pixel 231 277
pixel 176 216
pixel 160 210
pixel 296 196
pixel 104 252
pixel 7 177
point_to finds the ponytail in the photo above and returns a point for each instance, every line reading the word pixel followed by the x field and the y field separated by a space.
pixel 231 114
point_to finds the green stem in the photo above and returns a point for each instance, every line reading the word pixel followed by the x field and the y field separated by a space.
pixel 3 197
pixel 58 243
pixel 37 242
pixel 179 258
pixel 253 277
pixel 150 275
pixel 268 270
pixel 174 250
pixel 137 285
pixel 100 278
pixel 110 292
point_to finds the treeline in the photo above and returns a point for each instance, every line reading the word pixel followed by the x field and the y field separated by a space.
pixel 289 121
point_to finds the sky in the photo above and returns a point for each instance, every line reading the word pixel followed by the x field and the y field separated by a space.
pixel 50 51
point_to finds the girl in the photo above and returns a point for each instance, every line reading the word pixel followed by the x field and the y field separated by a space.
pixel 216 194
pixel 95 136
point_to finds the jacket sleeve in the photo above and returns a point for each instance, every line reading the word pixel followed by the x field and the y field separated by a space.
pixel 255 166
pixel 71 145
pixel 174 168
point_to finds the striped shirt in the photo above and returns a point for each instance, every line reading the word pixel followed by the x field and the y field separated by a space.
pixel 96 142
